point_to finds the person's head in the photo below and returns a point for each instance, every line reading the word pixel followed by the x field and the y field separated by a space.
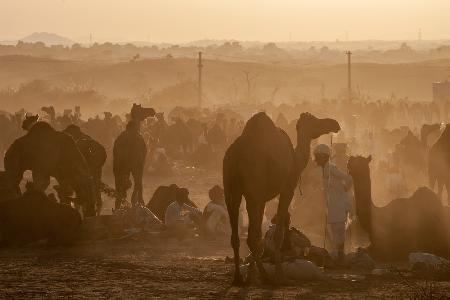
pixel 322 154
pixel 287 220
pixel 182 195
pixel 216 194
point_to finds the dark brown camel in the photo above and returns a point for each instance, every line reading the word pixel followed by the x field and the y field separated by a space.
pixel 49 153
pixel 439 163
pixel 260 165
pixel 164 196
pixel 35 216
pixel 129 154
pixel 95 156
pixel 405 225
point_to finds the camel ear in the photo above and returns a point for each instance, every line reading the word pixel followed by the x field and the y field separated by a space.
pixel 369 158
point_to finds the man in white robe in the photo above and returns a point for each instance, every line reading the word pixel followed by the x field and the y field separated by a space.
pixel 336 185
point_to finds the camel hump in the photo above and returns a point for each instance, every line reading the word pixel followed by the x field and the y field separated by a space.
pixel 425 193
pixel 259 124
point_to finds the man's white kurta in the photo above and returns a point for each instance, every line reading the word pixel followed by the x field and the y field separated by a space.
pixel 336 184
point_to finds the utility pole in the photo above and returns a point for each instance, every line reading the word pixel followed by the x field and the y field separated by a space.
pixel 200 66
pixel 349 71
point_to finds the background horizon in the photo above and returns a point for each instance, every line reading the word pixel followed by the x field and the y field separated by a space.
pixel 181 21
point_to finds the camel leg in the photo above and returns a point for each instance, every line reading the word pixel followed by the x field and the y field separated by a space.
pixel 84 191
pixel 97 180
pixel 255 215
pixel 121 185
pixel 233 201
pixel 137 197
pixel 283 206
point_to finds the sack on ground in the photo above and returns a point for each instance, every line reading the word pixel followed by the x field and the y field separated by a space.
pixel 298 269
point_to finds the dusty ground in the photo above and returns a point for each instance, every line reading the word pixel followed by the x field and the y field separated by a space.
pixel 150 266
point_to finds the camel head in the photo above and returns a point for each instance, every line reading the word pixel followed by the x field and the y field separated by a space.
pixel 312 127
pixel 427 129
pixel 139 113
pixel 358 165
pixel 29 121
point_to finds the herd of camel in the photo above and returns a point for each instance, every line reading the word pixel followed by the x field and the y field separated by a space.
pixel 260 164
pixel 263 164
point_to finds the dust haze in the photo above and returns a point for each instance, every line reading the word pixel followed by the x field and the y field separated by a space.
pixel 140 138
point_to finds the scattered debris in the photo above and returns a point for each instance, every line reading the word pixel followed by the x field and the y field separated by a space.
pixel 359 260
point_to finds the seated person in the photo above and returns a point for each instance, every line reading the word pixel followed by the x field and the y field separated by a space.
pixel 180 215
pixel 295 243
pixel 215 213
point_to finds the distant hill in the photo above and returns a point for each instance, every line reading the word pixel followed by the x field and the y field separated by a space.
pixel 47 38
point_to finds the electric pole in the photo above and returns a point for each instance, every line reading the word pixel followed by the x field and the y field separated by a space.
pixel 200 66
pixel 349 71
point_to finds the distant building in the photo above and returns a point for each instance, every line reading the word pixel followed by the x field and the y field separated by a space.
pixel 441 91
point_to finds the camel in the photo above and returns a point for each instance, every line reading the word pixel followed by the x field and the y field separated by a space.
pixel 95 156
pixel 129 154
pixel 439 164
pixel 163 197
pixel 177 136
pixel 34 216
pixel 50 153
pixel 411 154
pixel 405 225
pixel 426 130
pixel 260 165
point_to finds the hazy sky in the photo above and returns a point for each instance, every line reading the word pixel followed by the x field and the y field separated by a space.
pixel 264 20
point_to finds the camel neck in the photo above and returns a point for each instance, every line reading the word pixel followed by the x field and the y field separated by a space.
pixel 364 205
pixel 303 150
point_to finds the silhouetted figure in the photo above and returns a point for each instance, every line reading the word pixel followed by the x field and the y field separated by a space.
pixel 336 185
pixel 260 165
pixel 405 225
pixel 47 152
pixel 35 216
pixel 129 154
pixel 95 156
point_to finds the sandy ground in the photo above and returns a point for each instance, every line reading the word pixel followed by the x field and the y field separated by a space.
pixel 151 267
pixel 148 266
